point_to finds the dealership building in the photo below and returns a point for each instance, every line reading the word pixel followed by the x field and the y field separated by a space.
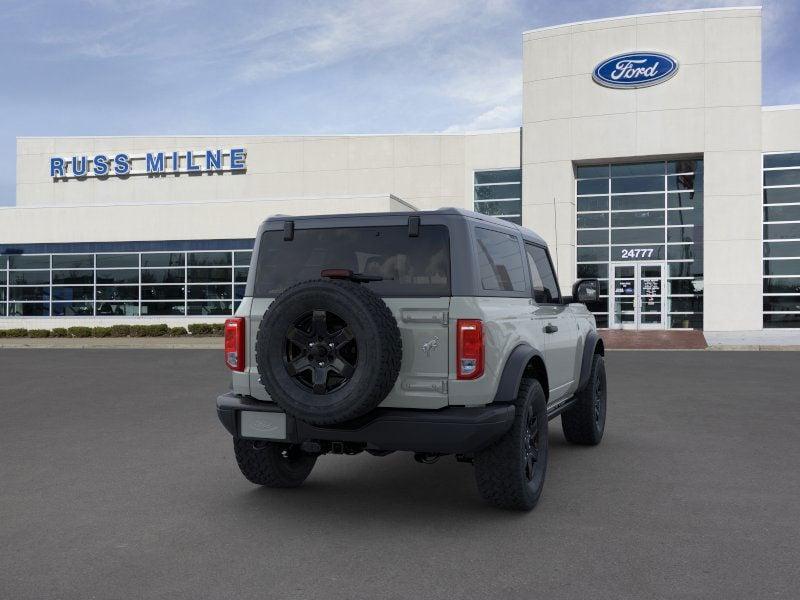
pixel 645 158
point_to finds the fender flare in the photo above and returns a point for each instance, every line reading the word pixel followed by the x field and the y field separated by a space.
pixel 593 345
pixel 510 380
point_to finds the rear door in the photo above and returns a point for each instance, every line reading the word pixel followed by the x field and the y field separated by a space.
pixel 556 321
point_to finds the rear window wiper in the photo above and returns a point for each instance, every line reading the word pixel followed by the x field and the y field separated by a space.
pixel 349 275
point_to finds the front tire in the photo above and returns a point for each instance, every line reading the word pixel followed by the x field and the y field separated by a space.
pixel 511 472
pixel 272 465
pixel 585 421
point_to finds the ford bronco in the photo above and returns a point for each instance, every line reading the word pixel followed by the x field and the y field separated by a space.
pixel 437 332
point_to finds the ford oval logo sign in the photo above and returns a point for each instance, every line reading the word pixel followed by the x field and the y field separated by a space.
pixel 635 70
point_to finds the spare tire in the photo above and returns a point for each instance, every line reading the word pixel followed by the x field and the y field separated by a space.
pixel 328 351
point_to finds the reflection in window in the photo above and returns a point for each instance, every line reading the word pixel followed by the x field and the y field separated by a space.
pixel 499 193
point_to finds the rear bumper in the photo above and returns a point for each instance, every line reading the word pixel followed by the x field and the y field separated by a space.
pixel 451 430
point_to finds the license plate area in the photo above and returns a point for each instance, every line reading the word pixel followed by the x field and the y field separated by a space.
pixel 262 425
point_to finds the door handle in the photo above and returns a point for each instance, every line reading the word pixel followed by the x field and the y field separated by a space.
pixel 550 328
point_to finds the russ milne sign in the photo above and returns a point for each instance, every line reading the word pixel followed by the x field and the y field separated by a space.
pixel 151 163
pixel 635 70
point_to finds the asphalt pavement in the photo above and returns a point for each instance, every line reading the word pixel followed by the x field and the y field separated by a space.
pixel 117 481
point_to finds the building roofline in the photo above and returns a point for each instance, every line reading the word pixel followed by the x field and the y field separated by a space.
pixel 652 14
pixel 267 135
pixel 781 107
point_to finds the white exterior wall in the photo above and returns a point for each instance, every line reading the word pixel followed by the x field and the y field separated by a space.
pixel 711 107
pixel 430 171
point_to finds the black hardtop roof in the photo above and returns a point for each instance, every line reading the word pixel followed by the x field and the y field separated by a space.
pixel 446 211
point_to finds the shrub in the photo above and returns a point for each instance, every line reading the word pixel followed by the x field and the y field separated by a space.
pixel 177 331
pixel 120 330
pixel 138 331
pixel 156 330
pixel 16 332
pixel 59 332
pixel 38 333
pixel 217 328
pixel 101 332
pixel 200 329
pixel 80 332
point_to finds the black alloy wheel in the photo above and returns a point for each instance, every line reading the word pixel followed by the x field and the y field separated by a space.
pixel 530 445
pixel 321 352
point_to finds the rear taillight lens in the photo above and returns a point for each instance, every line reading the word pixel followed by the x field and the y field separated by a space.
pixel 469 348
pixel 234 343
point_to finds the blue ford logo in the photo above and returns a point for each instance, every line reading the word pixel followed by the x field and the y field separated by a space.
pixel 635 70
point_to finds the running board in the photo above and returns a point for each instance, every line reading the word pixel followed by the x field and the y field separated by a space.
pixel 560 406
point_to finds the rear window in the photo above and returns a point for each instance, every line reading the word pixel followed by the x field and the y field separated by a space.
pixel 410 266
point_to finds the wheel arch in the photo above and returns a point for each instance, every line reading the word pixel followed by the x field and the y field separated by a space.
pixel 593 345
pixel 524 360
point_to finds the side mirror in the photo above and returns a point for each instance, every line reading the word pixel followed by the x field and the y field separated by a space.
pixel 586 290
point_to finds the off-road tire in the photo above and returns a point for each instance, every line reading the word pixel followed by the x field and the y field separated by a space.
pixel 500 469
pixel 375 334
pixel 584 422
pixel 272 465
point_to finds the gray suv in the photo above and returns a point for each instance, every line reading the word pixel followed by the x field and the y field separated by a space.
pixel 439 332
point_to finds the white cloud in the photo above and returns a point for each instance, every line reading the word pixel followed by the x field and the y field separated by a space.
pixel 497 117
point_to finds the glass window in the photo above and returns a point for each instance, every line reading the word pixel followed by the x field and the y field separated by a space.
pixel 163 275
pixel 409 266
pixel 118 276
pixel 782 267
pixel 493 192
pixel 29 261
pixel 782 231
pixel 29 293
pixel 782 213
pixel 684 166
pixel 785 320
pixel 636 184
pixel 788 177
pixel 209 292
pixel 162 308
pixel 215 275
pixel 685 200
pixel 162 292
pixel 782 249
pixel 499 208
pixel 545 287
pixel 684 217
pixel 499 176
pixel 639 218
pixel 782 160
pixel 623 170
pixel 60 277
pixel 782 285
pixel 28 309
pixel 209 259
pixel 117 309
pixel 683 286
pixel 163 259
pixel 592 254
pixel 593 220
pixel 238 292
pixel 637 202
pixel 240 274
pixel 637 236
pixel 680 234
pixel 499 261
pixel 782 195
pixel 242 258
pixel 73 309
pixel 2 277
pixel 3 262
pixel 683 182
pixel 209 308
pixel 587 171
pixel 593 203
pixel 694 304
pixel 588 271
pixel 680 252
pixel 686 321
pixel 782 303
pixel 72 292
pixel 592 236
pixel 683 269
pixel 122 292
pixel 29 277
pixel 117 260
pixel 73 261
pixel 593 186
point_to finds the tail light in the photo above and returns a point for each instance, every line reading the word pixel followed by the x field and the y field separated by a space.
pixel 234 343
pixel 469 348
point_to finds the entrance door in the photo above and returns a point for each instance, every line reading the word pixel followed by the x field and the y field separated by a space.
pixel 636 295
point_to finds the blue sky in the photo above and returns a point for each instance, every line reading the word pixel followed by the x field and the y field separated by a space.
pixel 102 67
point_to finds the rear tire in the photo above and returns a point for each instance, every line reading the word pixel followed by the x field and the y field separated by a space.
pixel 511 472
pixel 272 465
pixel 584 422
